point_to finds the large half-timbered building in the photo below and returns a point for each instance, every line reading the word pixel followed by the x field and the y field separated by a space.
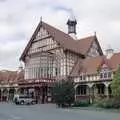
pixel 52 55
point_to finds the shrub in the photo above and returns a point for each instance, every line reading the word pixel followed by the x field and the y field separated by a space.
pixel 81 104
pixel 99 103
pixel 108 103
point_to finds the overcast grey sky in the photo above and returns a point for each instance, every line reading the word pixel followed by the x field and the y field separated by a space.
pixel 19 18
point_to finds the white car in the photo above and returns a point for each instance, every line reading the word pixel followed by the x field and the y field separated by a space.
pixel 23 99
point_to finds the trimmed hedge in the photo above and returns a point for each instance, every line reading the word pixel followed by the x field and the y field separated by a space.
pixel 81 104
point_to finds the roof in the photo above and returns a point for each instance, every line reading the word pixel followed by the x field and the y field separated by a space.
pixel 13 76
pixel 85 44
pixel 92 65
pixel 115 61
pixel 64 40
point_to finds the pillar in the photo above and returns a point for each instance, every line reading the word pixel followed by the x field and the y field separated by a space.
pixel 16 91
pixel 95 90
pixel 75 91
pixel 8 89
pixel 1 94
pixel 90 85
pixel 106 89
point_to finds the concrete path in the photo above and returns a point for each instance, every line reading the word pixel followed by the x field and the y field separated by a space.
pixel 50 112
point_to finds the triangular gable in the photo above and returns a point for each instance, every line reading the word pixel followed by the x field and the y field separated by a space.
pixel 94 43
pixel 42 33
pixel 105 64
pixel 30 42
pixel 86 43
pixel 63 39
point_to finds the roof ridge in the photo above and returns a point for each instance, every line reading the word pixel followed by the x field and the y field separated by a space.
pixel 56 29
pixel 86 37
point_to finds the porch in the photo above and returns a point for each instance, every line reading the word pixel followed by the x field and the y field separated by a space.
pixel 90 91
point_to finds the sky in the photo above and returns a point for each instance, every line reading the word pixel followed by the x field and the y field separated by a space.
pixel 19 18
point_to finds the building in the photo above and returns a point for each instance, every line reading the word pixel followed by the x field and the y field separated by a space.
pixel 52 55
pixel 9 84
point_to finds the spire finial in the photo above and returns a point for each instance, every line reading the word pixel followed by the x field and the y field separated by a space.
pixel 41 19
pixel 72 16
pixel 94 33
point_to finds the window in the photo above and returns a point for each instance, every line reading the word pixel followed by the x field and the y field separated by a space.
pixel 109 74
pixel 56 71
pixel 88 77
pixel 84 77
pixel 101 89
pixel 80 77
pixel 41 72
pixel 105 75
pixel 71 29
pixel 101 75
pixel 82 90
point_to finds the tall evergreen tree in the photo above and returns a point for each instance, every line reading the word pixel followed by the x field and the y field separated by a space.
pixel 64 93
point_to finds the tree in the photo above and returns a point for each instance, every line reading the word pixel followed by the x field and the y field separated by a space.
pixel 64 93
pixel 115 85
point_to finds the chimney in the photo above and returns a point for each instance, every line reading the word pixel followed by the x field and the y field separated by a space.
pixel 109 52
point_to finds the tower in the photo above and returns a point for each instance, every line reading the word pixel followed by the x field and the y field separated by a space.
pixel 72 25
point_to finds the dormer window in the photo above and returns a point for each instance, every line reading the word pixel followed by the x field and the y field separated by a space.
pixel 105 74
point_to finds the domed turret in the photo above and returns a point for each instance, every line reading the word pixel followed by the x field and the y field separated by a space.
pixel 72 25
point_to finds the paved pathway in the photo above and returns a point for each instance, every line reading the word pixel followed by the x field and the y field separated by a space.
pixel 50 112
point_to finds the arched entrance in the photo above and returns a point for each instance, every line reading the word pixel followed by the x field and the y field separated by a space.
pixel 11 94
pixel 99 90
pixel 41 94
pixel 0 95
pixel 82 92
pixel 109 91
pixel 5 94
pixel 44 94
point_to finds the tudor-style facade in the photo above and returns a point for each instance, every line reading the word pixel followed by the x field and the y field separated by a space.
pixel 52 55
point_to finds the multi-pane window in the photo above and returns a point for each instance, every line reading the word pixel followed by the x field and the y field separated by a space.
pixel 109 74
pixel 81 90
pixel 105 74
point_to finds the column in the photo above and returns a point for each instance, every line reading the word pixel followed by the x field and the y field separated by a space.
pixel 106 92
pixel 8 90
pixel 16 91
pixel 1 94
pixel 106 89
pixel 75 87
pixel 90 85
